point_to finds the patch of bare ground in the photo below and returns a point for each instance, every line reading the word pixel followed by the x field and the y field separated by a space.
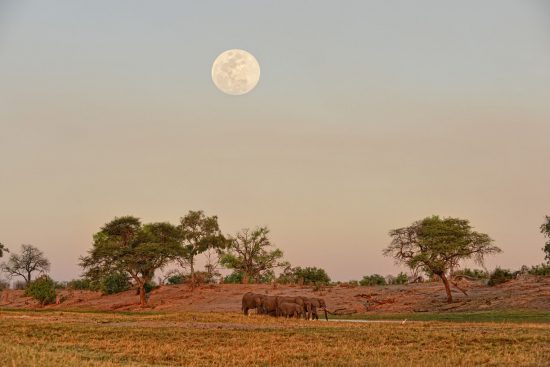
pixel 529 293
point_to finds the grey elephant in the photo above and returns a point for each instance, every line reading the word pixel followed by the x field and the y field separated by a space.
pixel 302 301
pixel 318 303
pixel 269 305
pixel 290 309
pixel 252 301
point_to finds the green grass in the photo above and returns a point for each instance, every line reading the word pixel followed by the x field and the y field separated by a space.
pixel 514 316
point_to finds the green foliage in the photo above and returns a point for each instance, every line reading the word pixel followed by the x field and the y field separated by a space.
pixel 540 270
pixel 176 279
pixel 124 245
pixel 115 282
pixel 237 278
pixel 251 253
pixel 472 273
pixel 374 279
pixel 42 289
pixel 234 278
pixel 436 245
pixel 308 276
pixel 545 230
pixel 401 278
pixel 149 286
pixel 499 276
pixel 197 234
pixel 84 284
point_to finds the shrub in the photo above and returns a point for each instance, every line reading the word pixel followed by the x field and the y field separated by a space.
pixel 4 284
pixel 115 283
pixel 310 275
pixel 176 279
pixel 401 278
pixel 541 270
pixel 149 286
pixel 83 284
pixel 472 273
pixel 375 279
pixel 499 276
pixel 42 289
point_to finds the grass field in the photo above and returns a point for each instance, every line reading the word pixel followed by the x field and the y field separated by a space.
pixel 50 338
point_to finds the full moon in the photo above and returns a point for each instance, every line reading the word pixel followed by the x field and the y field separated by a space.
pixel 235 72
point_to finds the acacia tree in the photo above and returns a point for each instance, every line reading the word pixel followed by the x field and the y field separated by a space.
pixel 250 254
pixel 25 264
pixel 545 230
pixel 198 233
pixel 3 249
pixel 125 245
pixel 437 245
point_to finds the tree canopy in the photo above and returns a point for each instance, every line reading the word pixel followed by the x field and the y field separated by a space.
pixel 198 233
pixel 30 260
pixel 435 245
pixel 545 230
pixel 125 245
pixel 251 253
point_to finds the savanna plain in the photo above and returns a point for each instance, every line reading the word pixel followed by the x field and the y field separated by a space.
pixel 54 338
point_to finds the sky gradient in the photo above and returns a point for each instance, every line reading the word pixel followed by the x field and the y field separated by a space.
pixel 368 115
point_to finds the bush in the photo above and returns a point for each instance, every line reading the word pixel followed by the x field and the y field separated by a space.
pixel 401 278
pixel 499 276
pixel 42 289
pixel 149 286
pixel 176 279
pixel 4 284
pixel 83 284
pixel 115 283
pixel 472 273
pixel 541 270
pixel 375 279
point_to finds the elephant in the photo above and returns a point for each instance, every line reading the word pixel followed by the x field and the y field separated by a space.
pixel 251 301
pixel 290 309
pixel 318 303
pixel 269 305
pixel 302 301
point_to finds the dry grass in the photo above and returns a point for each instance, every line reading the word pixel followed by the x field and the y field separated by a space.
pixel 228 339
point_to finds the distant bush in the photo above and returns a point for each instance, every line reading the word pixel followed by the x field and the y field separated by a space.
pixel 176 279
pixel 374 279
pixel 310 275
pixel 472 273
pixel 4 284
pixel 115 283
pixel 499 276
pixel 237 278
pixel 149 286
pixel 42 289
pixel 60 285
pixel 540 270
pixel 401 278
pixel 84 284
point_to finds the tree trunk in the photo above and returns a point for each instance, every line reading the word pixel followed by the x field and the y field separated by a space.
pixel 28 280
pixel 142 300
pixel 245 278
pixel 447 287
pixel 192 270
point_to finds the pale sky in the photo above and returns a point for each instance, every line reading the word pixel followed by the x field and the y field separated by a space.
pixel 368 116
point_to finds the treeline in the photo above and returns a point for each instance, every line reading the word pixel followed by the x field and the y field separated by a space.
pixel 127 253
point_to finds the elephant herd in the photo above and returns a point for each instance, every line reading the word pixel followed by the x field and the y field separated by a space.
pixel 287 306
